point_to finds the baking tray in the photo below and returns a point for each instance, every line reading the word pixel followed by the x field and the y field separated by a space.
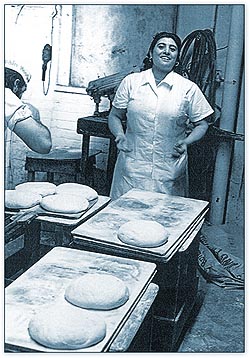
pixel 132 252
pixel 179 215
pixel 45 282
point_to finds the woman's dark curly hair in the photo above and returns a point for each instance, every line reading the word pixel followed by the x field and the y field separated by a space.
pixel 10 76
pixel 147 62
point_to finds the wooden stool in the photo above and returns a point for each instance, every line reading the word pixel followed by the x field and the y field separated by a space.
pixel 60 161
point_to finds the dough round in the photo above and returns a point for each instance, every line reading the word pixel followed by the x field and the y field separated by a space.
pixel 143 233
pixel 64 203
pixel 77 189
pixel 97 291
pixel 39 187
pixel 15 199
pixel 66 327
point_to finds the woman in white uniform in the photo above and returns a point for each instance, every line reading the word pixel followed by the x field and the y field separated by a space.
pixel 21 118
pixel 158 104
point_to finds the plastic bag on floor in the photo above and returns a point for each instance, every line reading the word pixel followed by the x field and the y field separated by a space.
pixel 220 267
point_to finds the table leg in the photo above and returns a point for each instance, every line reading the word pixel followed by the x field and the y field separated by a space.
pixel 85 155
pixel 111 162
pixel 31 176
pixel 62 235
pixel 50 177
pixel 32 244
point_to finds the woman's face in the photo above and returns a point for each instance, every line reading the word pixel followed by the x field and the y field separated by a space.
pixel 165 54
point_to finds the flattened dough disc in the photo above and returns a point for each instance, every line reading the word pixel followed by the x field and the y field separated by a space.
pixel 15 199
pixel 78 189
pixel 143 233
pixel 40 187
pixel 66 327
pixel 64 203
pixel 97 291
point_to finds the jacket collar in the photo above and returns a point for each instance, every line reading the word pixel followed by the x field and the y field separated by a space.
pixel 149 78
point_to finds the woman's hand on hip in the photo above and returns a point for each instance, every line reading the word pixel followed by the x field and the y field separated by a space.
pixel 179 148
pixel 121 143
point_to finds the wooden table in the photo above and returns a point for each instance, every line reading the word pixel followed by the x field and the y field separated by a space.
pixel 45 282
pixel 30 241
pixel 20 252
pixel 97 127
pixel 176 260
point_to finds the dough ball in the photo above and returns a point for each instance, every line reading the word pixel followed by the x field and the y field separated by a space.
pixel 64 203
pixel 97 291
pixel 15 199
pixel 143 233
pixel 38 187
pixel 77 189
pixel 66 327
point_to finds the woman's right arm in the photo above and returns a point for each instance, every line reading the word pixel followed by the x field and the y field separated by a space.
pixel 115 118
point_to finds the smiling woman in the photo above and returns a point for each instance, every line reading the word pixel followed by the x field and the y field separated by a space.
pixel 158 105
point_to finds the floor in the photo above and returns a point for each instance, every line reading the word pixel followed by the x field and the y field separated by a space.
pixel 217 325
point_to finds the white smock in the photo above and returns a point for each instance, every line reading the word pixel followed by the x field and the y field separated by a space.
pixel 15 111
pixel 157 117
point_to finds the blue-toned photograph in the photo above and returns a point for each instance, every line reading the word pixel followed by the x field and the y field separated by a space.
pixel 124 178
